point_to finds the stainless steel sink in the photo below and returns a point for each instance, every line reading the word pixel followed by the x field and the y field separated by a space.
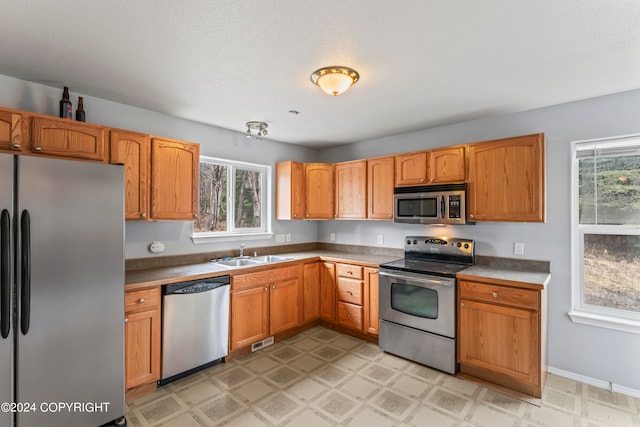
pixel 250 261
pixel 269 258
pixel 238 262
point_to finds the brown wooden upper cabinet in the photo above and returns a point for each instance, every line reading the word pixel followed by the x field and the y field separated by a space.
pixel 446 165
pixel 133 151
pixel 175 175
pixel 506 180
pixel 411 168
pixel 12 130
pixel 67 138
pixel 351 189
pixel 290 190
pixel 380 182
pixel 319 190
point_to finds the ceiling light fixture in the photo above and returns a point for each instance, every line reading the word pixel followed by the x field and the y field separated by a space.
pixel 335 79
pixel 256 130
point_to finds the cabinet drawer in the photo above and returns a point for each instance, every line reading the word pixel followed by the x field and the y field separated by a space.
pixel 352 271
pixel 350 315
pixel 350 290
pixel 146 299
pixel 524 298
pixel 250 280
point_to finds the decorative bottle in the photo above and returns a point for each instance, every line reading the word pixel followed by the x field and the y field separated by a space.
pixel 80 110
pixel 66 109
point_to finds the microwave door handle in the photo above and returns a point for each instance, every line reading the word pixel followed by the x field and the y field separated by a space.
pixel 442 207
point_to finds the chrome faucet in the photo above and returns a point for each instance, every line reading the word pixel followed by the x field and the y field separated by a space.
pixel 241 250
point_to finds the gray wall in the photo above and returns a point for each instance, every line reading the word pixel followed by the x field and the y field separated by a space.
pixel 593 352
pixel 590 351
pixel 214 142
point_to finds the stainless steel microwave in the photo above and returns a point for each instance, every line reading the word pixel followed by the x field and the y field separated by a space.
pixel 430 204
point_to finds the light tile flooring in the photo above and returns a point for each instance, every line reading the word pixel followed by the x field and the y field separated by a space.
pixel 323 378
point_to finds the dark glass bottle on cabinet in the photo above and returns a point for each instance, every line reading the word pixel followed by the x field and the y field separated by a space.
pixel 80 110
pixel 66 109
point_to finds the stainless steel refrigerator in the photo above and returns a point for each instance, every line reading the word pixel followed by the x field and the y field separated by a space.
pixel 62 292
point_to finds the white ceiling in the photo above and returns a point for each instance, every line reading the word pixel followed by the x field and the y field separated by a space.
pixel 422 63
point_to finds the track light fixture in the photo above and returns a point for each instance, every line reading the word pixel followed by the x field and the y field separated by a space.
pixel 256 130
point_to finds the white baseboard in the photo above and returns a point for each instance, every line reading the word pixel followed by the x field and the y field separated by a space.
pixel 596 382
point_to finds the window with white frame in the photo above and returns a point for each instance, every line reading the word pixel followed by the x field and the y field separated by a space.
pixel 606 233
pixel 233 199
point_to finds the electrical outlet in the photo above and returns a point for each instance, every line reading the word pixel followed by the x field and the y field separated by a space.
pixel 333 237
pixel 288 237
pixel 380 239
pixel 518 248
pixel 280 238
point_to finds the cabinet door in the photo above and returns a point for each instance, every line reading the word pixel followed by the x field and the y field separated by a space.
pixel 380 188
pixel 67 138
pixel 447 165
pixel 506 180
pixel 284 306
pixel 290 190
pixel 501 339
pixel 132 150
pixel 351 189
pixel 249 316
pixel 319 190
pixel 11 131
pixel 328 291
pixel 411 168
pixel 142 348
pixel 311 291
pixel 175 174
pixel 371 300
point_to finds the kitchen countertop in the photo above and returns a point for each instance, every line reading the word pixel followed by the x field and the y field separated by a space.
pixel 506 271
pixel 139 279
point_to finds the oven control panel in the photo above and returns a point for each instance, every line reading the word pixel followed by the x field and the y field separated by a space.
pixel 418 245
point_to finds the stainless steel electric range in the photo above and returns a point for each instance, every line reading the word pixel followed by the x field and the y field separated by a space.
pixel 417 300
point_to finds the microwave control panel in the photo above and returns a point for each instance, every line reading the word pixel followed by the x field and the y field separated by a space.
pixel 454 206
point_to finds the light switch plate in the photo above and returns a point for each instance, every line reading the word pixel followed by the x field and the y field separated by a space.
pixel 518 248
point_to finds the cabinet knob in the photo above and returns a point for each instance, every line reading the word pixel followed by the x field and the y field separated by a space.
pixel 273 287
pixel 350 293
pixel 349 272
pixel 421 179
pixel 37 148
pixel 141 300
pixel 495 295
pixel 461 304
pixel 307 215
pixel 295 215
pixel 15 145
pixel 143 215
pixel 470 215
pixel 348 316
pixel 266 289
pixel 126 320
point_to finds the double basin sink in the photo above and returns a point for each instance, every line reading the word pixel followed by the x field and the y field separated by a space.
pixel 250 261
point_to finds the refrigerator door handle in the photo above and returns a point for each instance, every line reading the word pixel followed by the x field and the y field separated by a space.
pixel 5 276
pixel 25 282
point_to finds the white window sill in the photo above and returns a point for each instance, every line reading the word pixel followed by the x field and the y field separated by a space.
pixel 197 239
pixel 604 321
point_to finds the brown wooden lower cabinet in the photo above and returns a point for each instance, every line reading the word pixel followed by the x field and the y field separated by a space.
pixel 328 291
pixel 371 300
pixel 311 291
pixel 501 335
pixel 142 338
pixel 263 304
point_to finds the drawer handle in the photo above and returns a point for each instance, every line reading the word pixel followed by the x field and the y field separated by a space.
pixel 495 295
pixel 141 300
pixel 350 293
pixel 348 316
pixel 349 272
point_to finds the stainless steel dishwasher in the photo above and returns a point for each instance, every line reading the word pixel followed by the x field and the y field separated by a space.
pixel 195 329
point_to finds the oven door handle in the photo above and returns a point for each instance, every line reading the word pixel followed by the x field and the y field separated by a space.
pixel 424 280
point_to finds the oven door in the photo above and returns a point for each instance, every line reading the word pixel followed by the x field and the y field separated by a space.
pixel 420 301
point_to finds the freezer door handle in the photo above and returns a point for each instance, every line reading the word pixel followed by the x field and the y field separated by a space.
pixel 5 277
pixel 25 279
